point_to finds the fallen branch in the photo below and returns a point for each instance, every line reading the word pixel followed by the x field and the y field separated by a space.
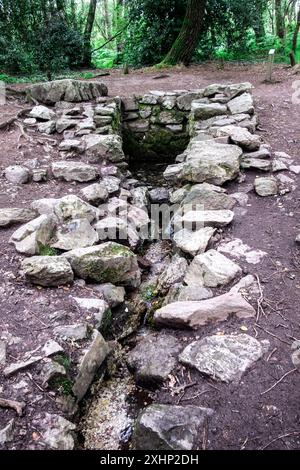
pixel 15 405
pixel 280 380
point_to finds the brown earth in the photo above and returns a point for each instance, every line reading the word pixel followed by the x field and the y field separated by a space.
pixel 243 417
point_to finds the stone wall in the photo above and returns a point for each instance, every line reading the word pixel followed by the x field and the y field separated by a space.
pixel 160 124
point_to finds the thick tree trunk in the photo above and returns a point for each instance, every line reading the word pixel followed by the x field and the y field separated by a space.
pixel 184 47
pixel 280 29
pixel 106 19
pixel 295 41
pixel 87 56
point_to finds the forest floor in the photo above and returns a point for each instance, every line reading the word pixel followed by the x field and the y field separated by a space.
pixel 245 417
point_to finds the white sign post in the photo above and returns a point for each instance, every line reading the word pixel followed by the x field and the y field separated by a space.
pixel 270 65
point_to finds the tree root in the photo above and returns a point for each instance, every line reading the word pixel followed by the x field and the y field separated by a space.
pixel 15 405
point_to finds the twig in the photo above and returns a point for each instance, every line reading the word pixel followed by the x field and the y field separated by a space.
pixel 272 334
pixel 294 433
pixel 195 396
pixel 205 435
pixel 271 354
pixel 280 380
pixel 260 300
pixel 18 406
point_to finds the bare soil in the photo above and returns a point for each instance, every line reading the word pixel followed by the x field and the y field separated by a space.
pixel 244 417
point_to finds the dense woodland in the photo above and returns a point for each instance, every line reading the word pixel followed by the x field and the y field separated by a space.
pixel 51 36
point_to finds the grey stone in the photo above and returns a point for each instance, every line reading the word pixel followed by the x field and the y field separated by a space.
pixel 140 197
pixel 211 269
pixel 219 218
pixel 76 332
pixel 94 356
pixel 48 271
pixel 17 174
pixel 96 307
pixel 69 208
pixel 196 314
pixel 267 186
pixel 159 195
pixel 180 293
pixel 237 88
pixel 193 242
pixel 109 262
pixel 47 127
pixel 214 89
pixel 42 113
pixel 21 365
pixel 51 348
pixel 51 370
pixel 113 295
pixel 111 183
pixel 241 104
pixel 297 239
pixel 115 228
pixel 244 139
pixel 57 432
pixel 65 123
pixel 256 163
pixel 71 144
pixel 154 358
pixel 44 206
pixel 204 111
pixel 263 153
pixel 7 433
pixel 2 353
pixel 74 171
pixel 104 147
pixel 30 237
pixel 173 273
pixel 39 174
pixel 66 90
pixel 169 427
pixel 30 121
pixel 184 102
pixel 148 99
pixel 207 197
pixel 223 357
pixel 11 216
pixel 75 234
pixel 209 162
pixel 296 354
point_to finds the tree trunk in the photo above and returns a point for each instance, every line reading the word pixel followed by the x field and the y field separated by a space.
pixel 87 54
pixel 184 46
pixel 295 41
pixel 106 19
pixel 280 29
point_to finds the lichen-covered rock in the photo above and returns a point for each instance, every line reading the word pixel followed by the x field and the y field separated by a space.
pixel 71 207
pixel 30 237
pixel 48 271
pixel 42 113
pixel 56 432
pixel 173 273
pixel 243 138
pixel 204 111
pixel 66 90
pixel 224 358
pixel 202 219
pixel 111 294
pixel 211 269
pixel 17 174
pixel 109 262
pixel 115 228
pixel 104 147
pixel 75 332
pixel 196 314
pixel 193 242
pixel 267 186
pixel 95 193
pixel 77 233
pixel 209 162
pixel 74 171
pixel 93 357
pixel 241 104
pixel 207 197
pixel 154 358
pixel 11 216
pixel 169 427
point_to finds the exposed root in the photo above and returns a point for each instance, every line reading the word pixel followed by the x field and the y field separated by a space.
pixel 15 405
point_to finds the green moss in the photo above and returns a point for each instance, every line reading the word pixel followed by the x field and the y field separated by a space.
pixel 63 385
pixel 46 250
pixel 106 323
pixel 63 360
pixel 150 293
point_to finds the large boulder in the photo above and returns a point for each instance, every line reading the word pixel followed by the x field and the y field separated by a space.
pixel 47 271
pixel 109 262
pixel 66 90
pixel 71 207
pixel 196 314
pixel 225 357
pixel 208 197
pixel 208 162
pixel 75 234
pixel 169 427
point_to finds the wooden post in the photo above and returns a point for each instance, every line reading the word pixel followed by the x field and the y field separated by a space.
pixel 270 65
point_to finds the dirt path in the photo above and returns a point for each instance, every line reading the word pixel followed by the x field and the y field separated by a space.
pixel 244 417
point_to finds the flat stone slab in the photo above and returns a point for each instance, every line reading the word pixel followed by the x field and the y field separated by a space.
pixel 203 219
pixel 225 358
pixel 196 314
pixel 154 358
pixel 168 427
pixel 211 269
pixel 12 216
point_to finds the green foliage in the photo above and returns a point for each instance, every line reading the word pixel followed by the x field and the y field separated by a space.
pixel 63 360
pixel 46 250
